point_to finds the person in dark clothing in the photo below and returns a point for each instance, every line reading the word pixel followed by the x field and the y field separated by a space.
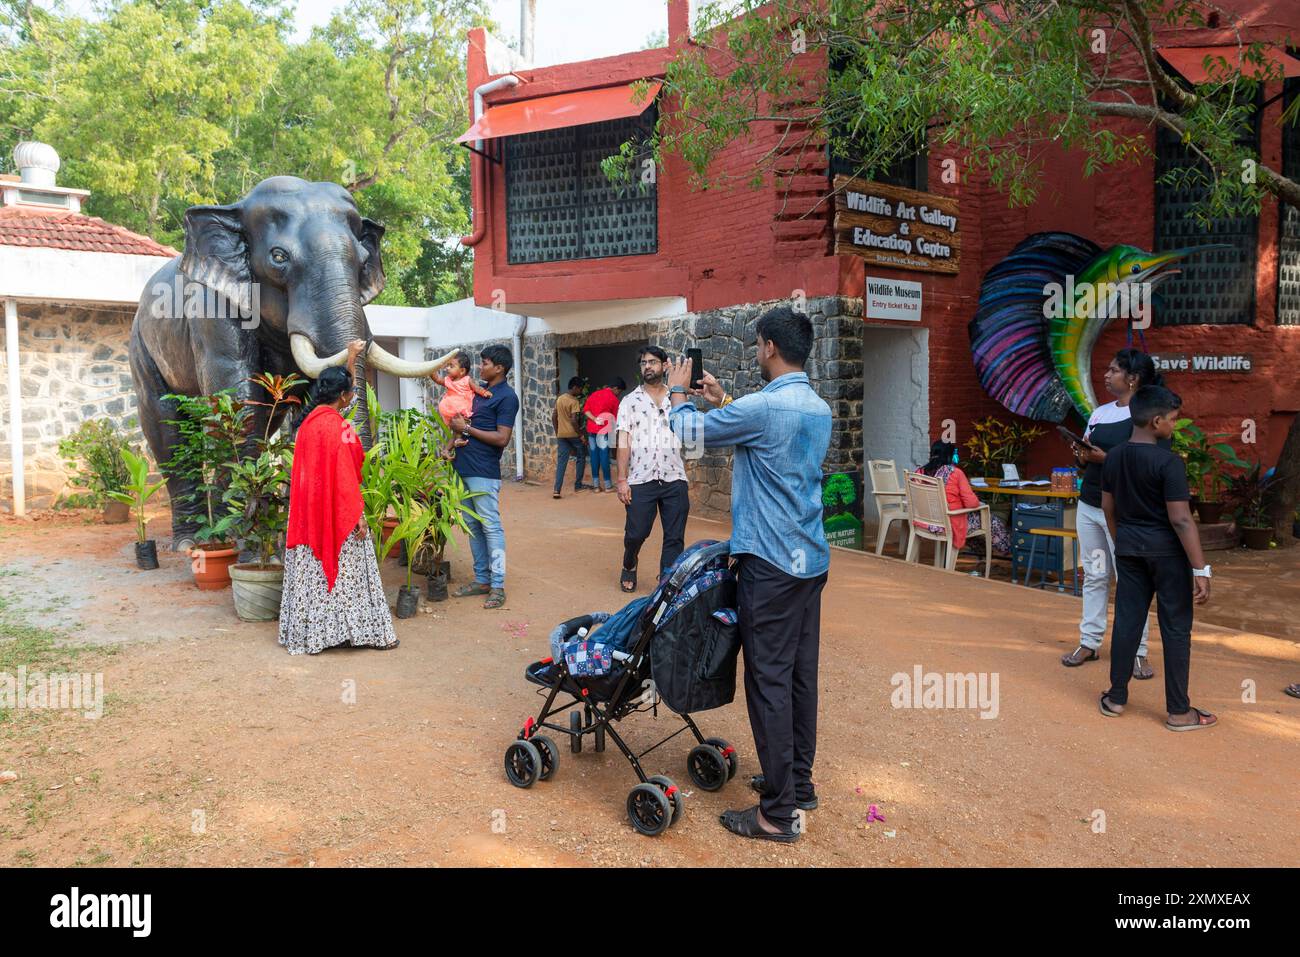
pixel 780 435
pixel 1157 553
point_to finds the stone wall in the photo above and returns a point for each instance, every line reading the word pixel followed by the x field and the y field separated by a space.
pixel 73 367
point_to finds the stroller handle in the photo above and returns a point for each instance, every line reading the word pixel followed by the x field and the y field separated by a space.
pixel 688 568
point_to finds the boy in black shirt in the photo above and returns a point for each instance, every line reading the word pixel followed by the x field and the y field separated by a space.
pixel 1144 496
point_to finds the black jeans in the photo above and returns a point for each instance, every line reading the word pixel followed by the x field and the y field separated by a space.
pixel 780 634
pixel 1169 578
pixel 671 501
pixel 563 449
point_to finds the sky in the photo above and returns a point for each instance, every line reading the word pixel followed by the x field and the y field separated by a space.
pixel 567 30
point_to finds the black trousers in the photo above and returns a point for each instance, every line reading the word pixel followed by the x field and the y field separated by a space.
pixel 1169 578
pixel 671 501
pixel 780 634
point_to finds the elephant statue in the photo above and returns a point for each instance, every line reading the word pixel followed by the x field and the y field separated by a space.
pixel 273 283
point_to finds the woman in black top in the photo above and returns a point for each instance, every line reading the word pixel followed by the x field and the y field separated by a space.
pixel 1109 426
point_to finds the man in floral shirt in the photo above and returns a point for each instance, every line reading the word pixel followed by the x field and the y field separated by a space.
pixel 650 473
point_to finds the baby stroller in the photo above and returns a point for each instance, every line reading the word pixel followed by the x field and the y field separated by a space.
pixel 679 646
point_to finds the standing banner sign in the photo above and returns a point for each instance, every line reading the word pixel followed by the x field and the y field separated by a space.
pixel 842 508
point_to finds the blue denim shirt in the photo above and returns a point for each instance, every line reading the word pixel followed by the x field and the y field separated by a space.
pixel 781 435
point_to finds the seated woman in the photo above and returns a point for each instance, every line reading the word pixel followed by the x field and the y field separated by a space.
pixel 943 466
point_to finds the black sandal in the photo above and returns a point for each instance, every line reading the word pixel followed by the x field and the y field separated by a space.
pixel 1070 661
pixel 628 580
pixel 1292 690
pixel 1106 709
pixel 745 823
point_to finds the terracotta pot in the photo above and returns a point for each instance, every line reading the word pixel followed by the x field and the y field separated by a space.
pixel 1210 512
pixel 389 525
pixel 1256 538
pixel 116 513
pixel 211 565
pixel 257 591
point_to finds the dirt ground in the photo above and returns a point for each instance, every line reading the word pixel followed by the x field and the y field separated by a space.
pixel 217 748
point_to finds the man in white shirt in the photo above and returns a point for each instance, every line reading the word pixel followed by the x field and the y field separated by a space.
pixel 649 469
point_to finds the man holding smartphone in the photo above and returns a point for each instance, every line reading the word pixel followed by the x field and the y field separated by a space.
pixel 649 469
pixel 780 435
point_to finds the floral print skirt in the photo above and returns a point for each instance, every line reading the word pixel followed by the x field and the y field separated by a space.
pixel 313 618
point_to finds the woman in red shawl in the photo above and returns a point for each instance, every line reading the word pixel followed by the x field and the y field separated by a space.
pixel 332 592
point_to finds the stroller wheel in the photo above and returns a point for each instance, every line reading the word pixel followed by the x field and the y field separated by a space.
pixel 523 763
pixel 649 810
pixel 666 784
pixel 728 752
pixel 707 767
pixel 550 755
pixel 575 732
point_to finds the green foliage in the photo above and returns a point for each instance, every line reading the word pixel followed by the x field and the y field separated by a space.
pixel 157 105
pixel 212 429
pixel 1207 461
pixel 994 443
pixel 1248 494
pixel 137 490
pixel 93 454
pixel 999 83
pixel 258 500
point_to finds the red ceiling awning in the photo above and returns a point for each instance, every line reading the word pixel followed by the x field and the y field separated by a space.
pixel 560 110
pixel 1190 62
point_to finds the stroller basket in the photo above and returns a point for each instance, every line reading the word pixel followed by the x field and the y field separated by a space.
pixel 680 653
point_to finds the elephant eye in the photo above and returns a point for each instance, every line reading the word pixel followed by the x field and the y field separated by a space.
pixel 279 256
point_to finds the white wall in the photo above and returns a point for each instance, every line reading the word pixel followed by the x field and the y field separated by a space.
pixel 895 399
pixel 68 275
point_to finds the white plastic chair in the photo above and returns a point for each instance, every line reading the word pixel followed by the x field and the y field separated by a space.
pixel 891 502
pixel 928 503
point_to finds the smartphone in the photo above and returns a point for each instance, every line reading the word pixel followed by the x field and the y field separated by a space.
pixel 697 367
pixel 1071 437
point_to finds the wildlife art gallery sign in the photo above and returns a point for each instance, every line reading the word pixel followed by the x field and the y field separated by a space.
pixel 896 227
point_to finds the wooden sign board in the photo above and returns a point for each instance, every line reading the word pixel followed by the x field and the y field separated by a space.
pixel 895 227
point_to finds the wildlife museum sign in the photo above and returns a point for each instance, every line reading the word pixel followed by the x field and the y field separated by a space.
pixel 896 227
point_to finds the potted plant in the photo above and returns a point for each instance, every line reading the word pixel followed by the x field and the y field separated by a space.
pixel 1247 492
pixel 211 428
pixel 93 454
pixel 994 443
pixel 258 499
pixel 1207 467
pixel 138 492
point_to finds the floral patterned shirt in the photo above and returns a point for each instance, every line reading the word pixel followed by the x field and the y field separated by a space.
pixel 656 451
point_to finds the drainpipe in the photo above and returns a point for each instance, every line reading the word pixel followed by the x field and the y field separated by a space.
pixel 521 323
pixel 15 406
pixel 479 206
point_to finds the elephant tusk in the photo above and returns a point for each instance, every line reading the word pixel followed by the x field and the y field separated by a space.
pixel 385 361
pixel 304 354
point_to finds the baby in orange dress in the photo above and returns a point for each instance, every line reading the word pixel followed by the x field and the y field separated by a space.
pixel 459 398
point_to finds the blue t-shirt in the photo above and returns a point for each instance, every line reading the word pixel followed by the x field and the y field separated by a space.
pixel 478 459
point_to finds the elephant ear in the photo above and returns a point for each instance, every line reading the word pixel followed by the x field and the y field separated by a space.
pixel 216 252
pixel 372 279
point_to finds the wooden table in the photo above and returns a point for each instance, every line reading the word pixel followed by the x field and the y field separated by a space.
pixel 1048 510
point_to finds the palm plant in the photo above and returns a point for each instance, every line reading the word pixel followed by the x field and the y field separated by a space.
pixel 138 491
pixel 212 429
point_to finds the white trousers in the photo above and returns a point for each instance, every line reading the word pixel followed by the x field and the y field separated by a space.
pixel 1097 553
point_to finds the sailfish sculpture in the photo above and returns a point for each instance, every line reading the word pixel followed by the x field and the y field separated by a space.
pixel 1041 310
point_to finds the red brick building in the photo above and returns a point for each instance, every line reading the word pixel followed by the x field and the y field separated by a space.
pixel 687 265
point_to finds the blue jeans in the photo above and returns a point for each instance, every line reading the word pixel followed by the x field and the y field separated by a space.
pixel 566 449
pixel 487 539
pixel 599 446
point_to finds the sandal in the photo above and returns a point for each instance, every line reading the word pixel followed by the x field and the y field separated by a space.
pixel 628 580
pixel 555 495
pixel 1203 720
pixel 745 823
pixel 496 598
pixel 1292 690
pixel 469 591
pixel 395 643
pixel 1072 660
pixel 1106 709
pixel 1141 670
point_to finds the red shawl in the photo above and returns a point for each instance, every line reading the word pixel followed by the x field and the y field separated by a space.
pixel 325 488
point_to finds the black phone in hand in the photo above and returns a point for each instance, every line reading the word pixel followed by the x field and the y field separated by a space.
pixel 697 367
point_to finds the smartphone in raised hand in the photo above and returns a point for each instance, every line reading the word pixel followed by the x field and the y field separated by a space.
pixel 697 367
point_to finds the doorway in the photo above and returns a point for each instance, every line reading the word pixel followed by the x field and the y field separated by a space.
pixel 895 400
pixel 600 364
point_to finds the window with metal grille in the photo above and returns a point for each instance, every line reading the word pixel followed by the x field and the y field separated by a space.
pixel 561 205
pixel 910 172
pixel 1288 254
pixel 1215 287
